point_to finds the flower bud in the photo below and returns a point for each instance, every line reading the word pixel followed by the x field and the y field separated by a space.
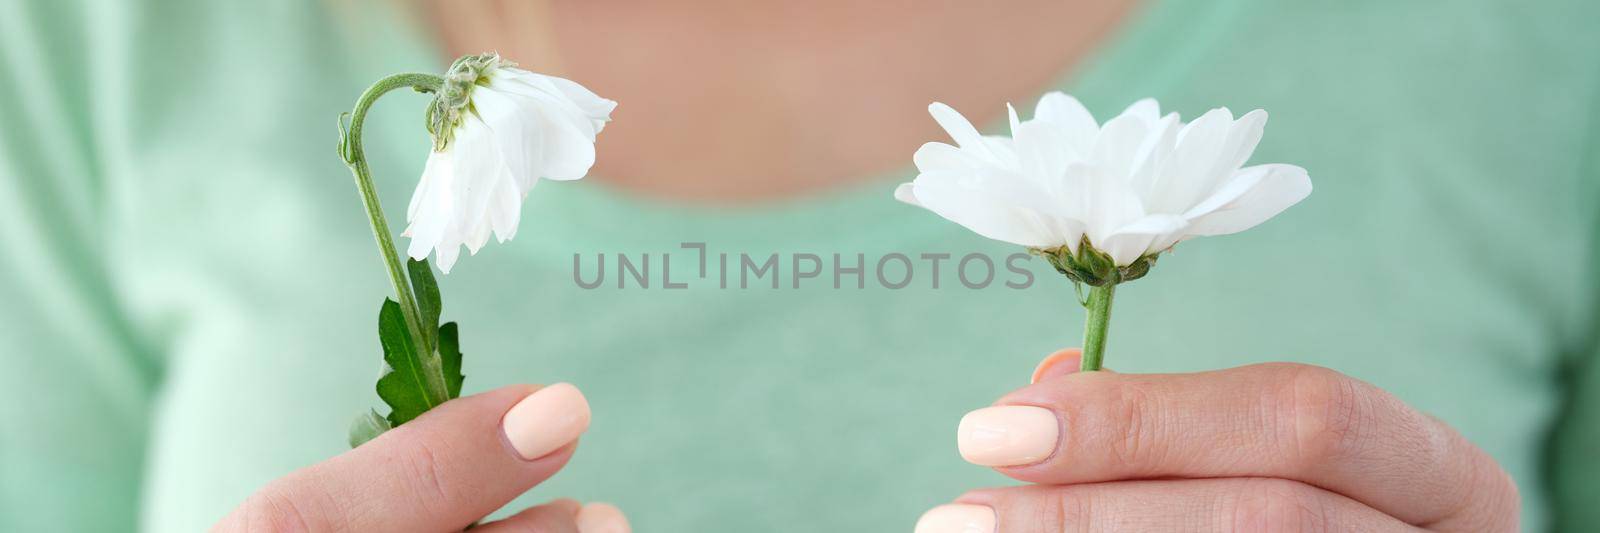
pixel 454 99
pixel 1093 267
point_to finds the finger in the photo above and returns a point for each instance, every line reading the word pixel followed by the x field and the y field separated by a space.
pixel 560 516
pixel 1193 505
pixel 563 515
pixel 449 467
pixel 1064 361
pixel 1286 421
pixel 602 518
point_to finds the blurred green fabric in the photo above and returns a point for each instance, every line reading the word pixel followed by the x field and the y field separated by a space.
pixel 190 289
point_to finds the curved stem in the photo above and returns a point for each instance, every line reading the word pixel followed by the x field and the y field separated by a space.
pixel 350 150
pixel 1095 326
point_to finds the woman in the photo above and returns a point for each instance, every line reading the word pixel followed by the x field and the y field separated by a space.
pixel 193 286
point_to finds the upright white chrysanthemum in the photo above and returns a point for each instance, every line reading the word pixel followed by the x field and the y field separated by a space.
pixel 497 129
pixel 1130 189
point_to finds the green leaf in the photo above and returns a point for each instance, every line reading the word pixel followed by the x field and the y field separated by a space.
pixel 447 338
pixel 367 426
pixel 403 385
pixel 450 358
pixel 427 290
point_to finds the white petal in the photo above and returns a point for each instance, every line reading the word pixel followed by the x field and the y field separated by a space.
pixel 1155 151
pixel 1119 144
pixel 478 235
pixel 548 91
pixel 1001 152
pixel 565 142
pixel 561 135
pixel 1147 110
pixel 988 214
pixel 906 193
pixel 1043 155
pixel 1243 136
pixel 434 172
pixel 447 257
pixel 1241 183
pixel 1210 127
pixel 1078 126
pixel 568 153
pixel 505 211
pixel 517 133
pixel 1279 187
pixel 599 109
pixel 1110 202
pixel 478 166
pixel 1125 249
pixel 1152 225
pixel 1138 238
pixel 431 206
pixel 1189 173
pixel 936 157
pixel 957 126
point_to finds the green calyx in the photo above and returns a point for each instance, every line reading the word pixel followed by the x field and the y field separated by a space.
pixel 454 99
pixel 1093 267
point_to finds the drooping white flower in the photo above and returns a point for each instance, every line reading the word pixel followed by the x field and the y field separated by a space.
pixel 1131 188
pixel 497 130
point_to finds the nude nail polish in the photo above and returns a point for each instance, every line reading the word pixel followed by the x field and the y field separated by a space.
pixel 546 420
pixel 1047 367
pixel 1007 435
pixel 602 518
pixel 957 518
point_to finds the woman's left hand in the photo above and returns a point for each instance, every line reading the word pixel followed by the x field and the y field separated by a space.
pixel 1271 447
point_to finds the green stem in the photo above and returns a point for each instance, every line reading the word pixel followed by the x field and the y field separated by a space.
pixel 1094 327
pixel 350 150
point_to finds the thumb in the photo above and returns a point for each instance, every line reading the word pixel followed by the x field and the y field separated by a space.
pixel 445 469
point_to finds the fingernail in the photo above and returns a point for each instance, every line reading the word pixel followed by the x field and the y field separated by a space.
pixel 602 518
pixel 957 518
pixel 1007 435
pixel 1044 369
pixel 546 420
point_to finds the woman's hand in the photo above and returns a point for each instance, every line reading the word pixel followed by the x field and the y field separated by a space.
pixel 1273 447
pixel 440 472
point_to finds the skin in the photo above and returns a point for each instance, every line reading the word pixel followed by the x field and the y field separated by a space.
pixel 1269 447
pixel 807 96
pixel 815 95
pixel 446 469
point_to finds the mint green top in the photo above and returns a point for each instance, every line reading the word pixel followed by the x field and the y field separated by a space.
pixel 190 289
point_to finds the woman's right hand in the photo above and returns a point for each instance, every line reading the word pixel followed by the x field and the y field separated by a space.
pixel 448 468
